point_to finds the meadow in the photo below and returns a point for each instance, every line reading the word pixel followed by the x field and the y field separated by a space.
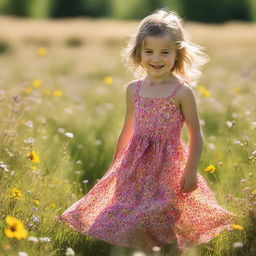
pixel 62 106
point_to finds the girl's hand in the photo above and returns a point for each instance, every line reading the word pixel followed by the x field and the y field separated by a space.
pixel 188 182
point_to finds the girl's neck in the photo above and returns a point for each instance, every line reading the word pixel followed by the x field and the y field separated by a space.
pixel 152 82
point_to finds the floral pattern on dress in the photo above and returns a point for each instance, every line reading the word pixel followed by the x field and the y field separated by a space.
pixel 138 202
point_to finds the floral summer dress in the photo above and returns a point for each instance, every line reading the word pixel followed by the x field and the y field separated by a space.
pixel 138 203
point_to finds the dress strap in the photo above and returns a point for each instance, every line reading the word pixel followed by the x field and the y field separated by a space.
pixel 138 84
pixel 177 87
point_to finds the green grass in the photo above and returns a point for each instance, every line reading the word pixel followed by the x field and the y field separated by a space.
pixel 94 113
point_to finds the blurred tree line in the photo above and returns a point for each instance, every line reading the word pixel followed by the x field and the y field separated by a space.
pixel 212 11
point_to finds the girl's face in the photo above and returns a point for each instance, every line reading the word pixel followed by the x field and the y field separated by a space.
pixel 158 56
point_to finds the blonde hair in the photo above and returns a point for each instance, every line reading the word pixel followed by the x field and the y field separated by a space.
pixel 161 22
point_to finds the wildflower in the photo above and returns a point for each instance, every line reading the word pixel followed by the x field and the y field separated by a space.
pixel 78 162
pixel 156 249
pixel 4 166
pixel 33 167
pixel 16 228
pixel 85 181
pixel 53 205
pixel 69 252
pixel 210 168
pixel 33 239
pixel 204 91
pixel 238 244
pixel 34 157
pixel 254 192
pixel 36 201
pixel 230 124
pixel 36 83
pixel 242 180
pixel 211 146
pixel 44 239
pixel 16 193
pixel 29 141
pixel 41 51
pixel 22 254
pixel 57 93
pixel 108 80
pixel 69 135
pixel 235 226
pixel 29 124
pixel 35 219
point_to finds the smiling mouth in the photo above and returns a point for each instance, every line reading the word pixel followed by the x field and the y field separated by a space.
pixel 156 66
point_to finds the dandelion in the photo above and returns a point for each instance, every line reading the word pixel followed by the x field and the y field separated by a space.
pixel 236 226
pixel 254 192
pixel 34 157
pixel 41 51
pixel 204 91
pixel 238 244
pixel 57 93
pixel 53 205
pixel 16 193
pixel 36 83
pixel 108 80
pixel 33 167
pixel 16 228
pixel 69 252
pixel 210 168
pixel 69 135
pixel 36 201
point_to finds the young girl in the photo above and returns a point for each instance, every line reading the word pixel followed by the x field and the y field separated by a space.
pixel 151 194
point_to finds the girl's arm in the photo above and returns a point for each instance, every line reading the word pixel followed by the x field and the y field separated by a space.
pixel 127 130
pixel 189 110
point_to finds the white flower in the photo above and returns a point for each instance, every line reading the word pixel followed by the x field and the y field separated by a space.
pixel 69 252
pixel 238 244
pixel 97 142
pixel 139 253
pixel 211 146
pixel 156 249
pixel 33 239
pixel 29 140
pixel 229 124
pixel 44 239
pixel 254 153
pixel 29 124
pixel 69 135
pixel 4 166
pixel 22 254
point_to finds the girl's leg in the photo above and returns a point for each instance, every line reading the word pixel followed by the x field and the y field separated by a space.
pixel 172 249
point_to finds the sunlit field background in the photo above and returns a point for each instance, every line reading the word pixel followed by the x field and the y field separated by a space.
pixel 62 106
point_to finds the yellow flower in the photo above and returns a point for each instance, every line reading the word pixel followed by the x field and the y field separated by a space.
pixel 41 51
pixel 57 93
pixel 108 80
pixel 53 205
pixel 36 201
pixel 216 234
pixel 16 193
pixel 254 192
pixel 33 167
pixel 210 168
pixel 28 90
pixel 235 226
pixel 34 157
pixel 36 83
pixel 204 91
pixel 16 228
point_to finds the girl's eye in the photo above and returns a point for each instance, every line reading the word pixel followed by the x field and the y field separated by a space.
pixel 148 52
pixel 166 53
